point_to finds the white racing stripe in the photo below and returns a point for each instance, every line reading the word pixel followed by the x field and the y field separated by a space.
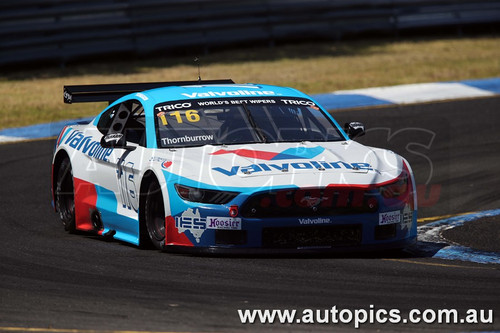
pixel 419 93
pixel 6 139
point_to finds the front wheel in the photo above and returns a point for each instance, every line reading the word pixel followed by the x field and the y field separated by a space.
pixel 65 197
pixel 154 213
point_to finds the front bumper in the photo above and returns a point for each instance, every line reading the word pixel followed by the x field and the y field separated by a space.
pixel 252 251
pixel 288 235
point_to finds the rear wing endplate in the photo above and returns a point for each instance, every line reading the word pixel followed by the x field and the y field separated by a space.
pixel 111 92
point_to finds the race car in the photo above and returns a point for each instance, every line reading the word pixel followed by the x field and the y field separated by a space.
pixel 218 166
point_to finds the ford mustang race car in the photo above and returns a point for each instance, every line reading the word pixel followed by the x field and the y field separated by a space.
pixel 217 166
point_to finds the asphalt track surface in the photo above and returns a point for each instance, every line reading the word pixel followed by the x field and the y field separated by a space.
pixel 53 280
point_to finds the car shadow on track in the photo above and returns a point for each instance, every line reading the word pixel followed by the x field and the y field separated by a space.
pixel 421 249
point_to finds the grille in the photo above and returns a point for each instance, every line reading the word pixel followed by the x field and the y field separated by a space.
pixel 311 236
pixel 230 237
pixel 383 232
pixel 310 202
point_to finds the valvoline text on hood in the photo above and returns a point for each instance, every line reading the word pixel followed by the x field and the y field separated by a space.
pixel 296 153
pixel 284 167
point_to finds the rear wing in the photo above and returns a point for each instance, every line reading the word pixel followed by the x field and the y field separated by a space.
pixel 111 92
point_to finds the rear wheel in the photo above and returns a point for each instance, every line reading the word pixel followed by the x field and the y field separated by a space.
pixel 65 197
pixel 154 213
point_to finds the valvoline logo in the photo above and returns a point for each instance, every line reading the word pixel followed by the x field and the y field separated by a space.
pixel 288 154
pixel 299 153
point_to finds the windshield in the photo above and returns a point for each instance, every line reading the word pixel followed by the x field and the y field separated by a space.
pixel 239 121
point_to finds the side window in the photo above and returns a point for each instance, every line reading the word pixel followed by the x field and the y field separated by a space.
pixel 134 129
pixel 106 119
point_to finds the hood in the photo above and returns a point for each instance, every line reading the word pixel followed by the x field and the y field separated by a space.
pixel 282 164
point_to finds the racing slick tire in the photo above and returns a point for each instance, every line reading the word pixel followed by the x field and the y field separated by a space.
pixel 65 196
pixel 154 213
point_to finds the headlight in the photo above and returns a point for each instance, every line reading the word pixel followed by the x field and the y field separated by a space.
pixel 400 189
pixel 205 196
pixel 397 188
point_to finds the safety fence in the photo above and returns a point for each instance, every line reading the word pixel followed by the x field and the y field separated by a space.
pixel 59 31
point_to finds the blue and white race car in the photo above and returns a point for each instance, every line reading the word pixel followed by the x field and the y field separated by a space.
pixel 215 166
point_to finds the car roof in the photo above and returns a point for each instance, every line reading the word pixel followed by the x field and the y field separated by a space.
pixel 210 91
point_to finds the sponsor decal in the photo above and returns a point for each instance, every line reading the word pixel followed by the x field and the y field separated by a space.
pixel 318 220
pixel 224 223
pixel 191 220
pixel 300 102
pixel 251 100
pixel 157 159
pixel 166 164
pixel 68 97
pixel 229 93
pixel 284 167
pixel 290 153
pixel 213 103
pixel 142 96
pixel 186 138
pixel 113 137
pixel 234 102
pixel 389 218
pixel 86 145
pixel 173 106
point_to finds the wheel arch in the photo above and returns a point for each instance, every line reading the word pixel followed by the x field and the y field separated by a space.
pixel 56 164
pixel 148 178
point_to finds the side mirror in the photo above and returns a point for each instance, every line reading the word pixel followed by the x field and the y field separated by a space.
pixel 115 140
pixel 354 129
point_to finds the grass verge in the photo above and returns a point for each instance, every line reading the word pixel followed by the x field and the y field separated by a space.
pixel 31 97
